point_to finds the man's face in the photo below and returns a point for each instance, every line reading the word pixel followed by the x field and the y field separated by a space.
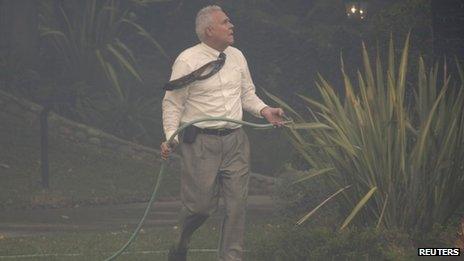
pixel 221 30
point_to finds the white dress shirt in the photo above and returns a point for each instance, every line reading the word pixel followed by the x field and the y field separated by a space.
pixel 225 94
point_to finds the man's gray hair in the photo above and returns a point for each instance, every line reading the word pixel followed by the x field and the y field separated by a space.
pixel 203 20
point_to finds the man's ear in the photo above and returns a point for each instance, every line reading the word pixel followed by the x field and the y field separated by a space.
pixel 209 31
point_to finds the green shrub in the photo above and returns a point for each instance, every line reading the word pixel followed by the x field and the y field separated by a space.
pixel 390 148
pixel 94 44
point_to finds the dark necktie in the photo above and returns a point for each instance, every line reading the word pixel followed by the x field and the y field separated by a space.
pixel 198 74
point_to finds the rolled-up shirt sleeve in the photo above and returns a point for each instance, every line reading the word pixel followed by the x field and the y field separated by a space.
pixel 250 101
pixel 174 101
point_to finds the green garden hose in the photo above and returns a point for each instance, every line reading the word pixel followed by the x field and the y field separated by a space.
pixel 162 170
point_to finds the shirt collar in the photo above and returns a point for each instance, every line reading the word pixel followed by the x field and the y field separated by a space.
pixel 210 50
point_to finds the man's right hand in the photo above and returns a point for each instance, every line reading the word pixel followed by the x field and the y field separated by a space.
pixel 166 149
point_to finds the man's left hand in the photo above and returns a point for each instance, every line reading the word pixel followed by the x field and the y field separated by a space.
pixel 273 115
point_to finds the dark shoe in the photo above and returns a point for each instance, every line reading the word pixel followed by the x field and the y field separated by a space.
pixel 176 254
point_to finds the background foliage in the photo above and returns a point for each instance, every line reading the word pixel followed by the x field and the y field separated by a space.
pixel 396 163
pixel 121 91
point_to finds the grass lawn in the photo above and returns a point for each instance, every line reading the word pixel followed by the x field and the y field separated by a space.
pixel 85 175
pixel 150 245
pixel 79 174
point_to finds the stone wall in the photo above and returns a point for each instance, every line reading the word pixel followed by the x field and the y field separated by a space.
pixel 84 134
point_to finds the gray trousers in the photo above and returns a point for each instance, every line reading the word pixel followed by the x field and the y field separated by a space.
pixel 214 166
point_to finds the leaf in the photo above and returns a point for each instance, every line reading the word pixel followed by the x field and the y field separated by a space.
pixel 310 126
pixel 114 80
pixel 282 103
pixel 391 61
pixel 128 51
pixel 383 211
pixel 313 102
pixel 402 70
pixel 124 62
pixel 358 207
pixel 50 32
pixel 303 219
pixel 420 146
pixel 299 147
pixel 146 35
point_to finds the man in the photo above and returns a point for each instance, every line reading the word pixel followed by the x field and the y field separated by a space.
pixel 216 160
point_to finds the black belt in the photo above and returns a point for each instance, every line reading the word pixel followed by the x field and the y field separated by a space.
pixel 217 132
